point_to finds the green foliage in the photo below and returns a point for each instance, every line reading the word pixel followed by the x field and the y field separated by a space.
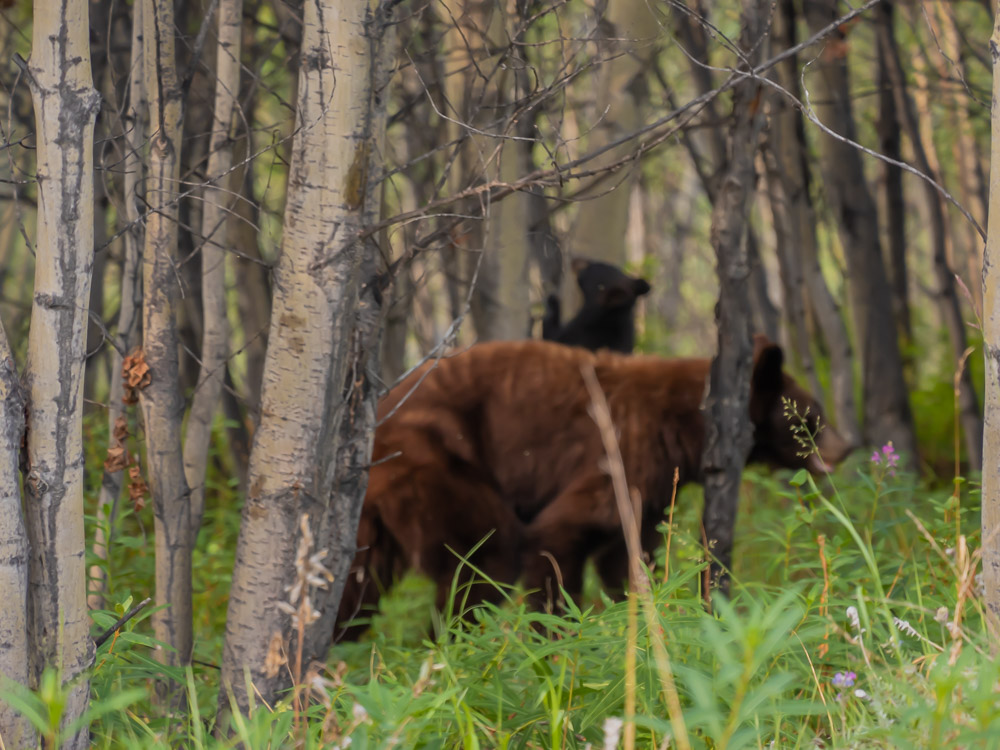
pixel 842 629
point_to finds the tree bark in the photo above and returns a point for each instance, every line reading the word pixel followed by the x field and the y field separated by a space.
pixel 480 84
pixel 792 277
pixel 162 402
pixel 66 106
pixel 965 150
pixel 131 292
pixel 991 351
pixel 792 153
pixel 215 245
pixel 886 403
pixel 729 435
pixel 318 398
pixel 947 295
pixel 890 144
pixel 708 155
pixel 626 41
pixel 15 728
pixel 252 280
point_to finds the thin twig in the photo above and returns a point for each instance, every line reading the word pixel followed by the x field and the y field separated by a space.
pixel 103 637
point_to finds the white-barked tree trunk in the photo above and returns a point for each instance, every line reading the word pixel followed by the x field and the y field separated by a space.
pixel 318 395
pixel 66 105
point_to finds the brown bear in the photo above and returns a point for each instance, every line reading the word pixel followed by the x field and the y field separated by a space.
pixel 496 443
pixel 606 319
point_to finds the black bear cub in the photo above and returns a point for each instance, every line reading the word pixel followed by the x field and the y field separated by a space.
pixel 607 318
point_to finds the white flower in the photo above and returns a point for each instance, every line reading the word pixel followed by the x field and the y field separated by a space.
pixel 854 619
pixel 859 693
pixel 612 732
pixel 941 615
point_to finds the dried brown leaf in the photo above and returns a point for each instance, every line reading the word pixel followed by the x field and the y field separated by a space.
pixel 117 458
pixel 137 487
pixel 120 432
pixel 135 375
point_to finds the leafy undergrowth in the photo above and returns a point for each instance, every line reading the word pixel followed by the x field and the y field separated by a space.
pixel 855 621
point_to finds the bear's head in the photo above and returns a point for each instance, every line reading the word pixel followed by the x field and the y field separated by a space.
pixel 606 286
pixel 789 428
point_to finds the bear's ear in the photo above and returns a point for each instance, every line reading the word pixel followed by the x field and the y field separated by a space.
pixel 578 265
pixel 640 287
pixel 767 380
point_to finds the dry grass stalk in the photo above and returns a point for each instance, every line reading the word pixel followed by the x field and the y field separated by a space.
pixel 638 582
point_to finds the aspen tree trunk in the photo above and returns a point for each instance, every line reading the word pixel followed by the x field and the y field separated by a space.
pixel 626 39
pixel 709 155
pixel 215 244
pixel 728 432
pixel 886 402
pixel 479 83
pixel 793 280
pixel 162 403
pixel 791 150
pixel 15 729
pixel 947 295
pixel 254 299
pixel 401 196
pixel 893 207
pixel 131 291
pixel 66 105
pixel 965 148
pixel 991 350
pixel 319 386
pixel 500 304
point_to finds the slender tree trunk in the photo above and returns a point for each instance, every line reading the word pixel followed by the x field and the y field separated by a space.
pixel 991 350
pixel 791 150
pixel 319 394
pixel 965 149
pixel 15 728
pixel 728 432
pixel 626 42
pixel 162 402
pixel 400 196
pixel 134 132
pixel 947 294
pixel 66 105
pixel 890 144
pixel 95 324
pixel 886 403
pixel 215 245
pixel 252 280
pixel 708 154
pixel 480 84
pixel 793 280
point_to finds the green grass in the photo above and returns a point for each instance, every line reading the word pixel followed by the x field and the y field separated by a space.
pixel 832 578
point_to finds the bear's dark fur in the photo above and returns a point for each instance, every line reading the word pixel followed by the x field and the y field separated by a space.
pixel 607 317
pixel 499 439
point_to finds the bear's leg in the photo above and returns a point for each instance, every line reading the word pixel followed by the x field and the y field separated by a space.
pixel 561 537
pixel 612 566
pixel 371 573
pixel 612 561
pixel 442 514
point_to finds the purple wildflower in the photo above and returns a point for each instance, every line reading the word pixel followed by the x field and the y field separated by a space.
pixel 844 679
pixel 886 457
pixel 891 457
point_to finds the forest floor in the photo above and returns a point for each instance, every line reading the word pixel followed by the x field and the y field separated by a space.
pixel 855 621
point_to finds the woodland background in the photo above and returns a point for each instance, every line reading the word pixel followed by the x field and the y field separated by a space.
pixel 453 156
